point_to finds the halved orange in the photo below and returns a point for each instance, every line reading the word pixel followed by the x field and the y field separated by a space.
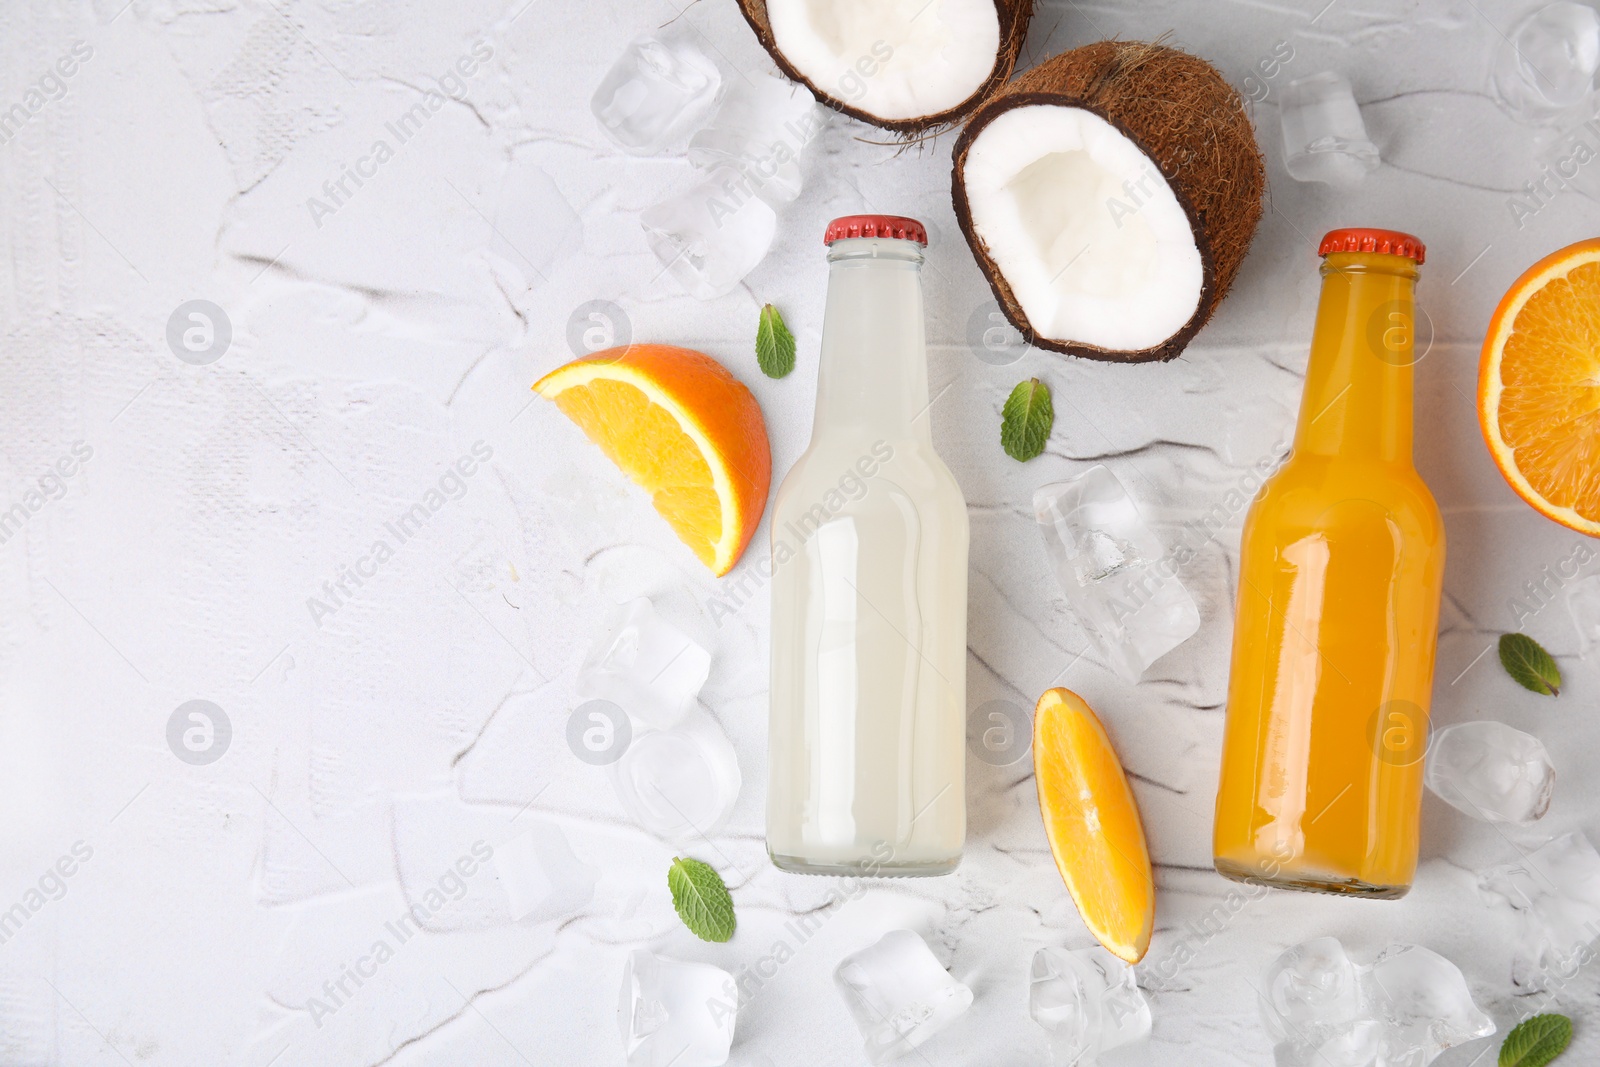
pixel 1093 824
pixel 682 427
pixel 1539 386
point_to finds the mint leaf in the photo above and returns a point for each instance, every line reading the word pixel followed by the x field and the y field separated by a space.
pixel 701 899
pixel 774 344
pixel 1535 1042
pixel 1529 665
pixel 1026 419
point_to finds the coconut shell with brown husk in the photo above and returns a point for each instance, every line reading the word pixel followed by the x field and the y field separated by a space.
pixel 1110 195
pixel 906 68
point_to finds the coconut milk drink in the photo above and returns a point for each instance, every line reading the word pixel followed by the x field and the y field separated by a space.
pixel 869 591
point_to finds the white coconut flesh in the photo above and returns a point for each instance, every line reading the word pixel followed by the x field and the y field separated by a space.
pixel 894 59
pixel 1084 229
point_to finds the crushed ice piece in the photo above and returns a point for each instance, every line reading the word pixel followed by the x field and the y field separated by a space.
pixel 656 92
pixel 442 851
pixel 1548 62
pixel 644 665
pixel 1089 1002
pixel 898 994
pixel 710 237
pixel 1555 891
pixel 541 876
pixel 680 783
pixel 675 1014
pixel 1324 138
pixel 1114 571
pixel 1410 1005
pixel 1491 771
pixel 761 130
pixel 1583 603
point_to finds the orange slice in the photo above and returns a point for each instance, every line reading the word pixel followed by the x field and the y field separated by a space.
pixel 685 430
pixel 1539 386
pixel 1093 824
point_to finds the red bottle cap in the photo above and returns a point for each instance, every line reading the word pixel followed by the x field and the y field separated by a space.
pixel 1364 239
pixel 896 226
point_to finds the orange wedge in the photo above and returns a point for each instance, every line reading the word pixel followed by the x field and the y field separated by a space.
pixel 1539 386
pixel 1093 824
pixel 685 430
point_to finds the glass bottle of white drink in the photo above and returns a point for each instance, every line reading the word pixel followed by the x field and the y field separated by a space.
pixel 869 590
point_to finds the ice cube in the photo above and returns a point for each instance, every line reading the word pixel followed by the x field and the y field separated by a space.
pixel 655 93
pixel 443 850
pixel 1321 1008
pixel 1548 62
pixel 1311 1004
pixel 1324 139
pixel 534 224
pixel 710 237
pixel 761 130
pixel 471 866
pixel 1583 602
pixel 1089 1002
pixel 679 783
pixel 899 994
pixel 645 665
pixel 1113 570
pixel 541 877
pixel 1422 1004
pixel 1555 891
pixel 1490 771
pixel 675 1014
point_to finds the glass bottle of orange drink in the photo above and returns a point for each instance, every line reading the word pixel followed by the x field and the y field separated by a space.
pixel 1340 575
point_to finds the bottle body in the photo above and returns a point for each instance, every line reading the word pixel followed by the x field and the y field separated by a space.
pixel 1341 571
pixel 869 553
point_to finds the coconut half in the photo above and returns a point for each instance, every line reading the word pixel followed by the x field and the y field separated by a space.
pixel 1110 195
pixel 905 65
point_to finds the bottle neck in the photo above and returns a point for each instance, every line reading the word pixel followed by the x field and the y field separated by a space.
pixel 873 374
pixel 1358 392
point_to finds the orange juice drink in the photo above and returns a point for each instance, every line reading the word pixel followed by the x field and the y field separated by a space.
pixel 1341 570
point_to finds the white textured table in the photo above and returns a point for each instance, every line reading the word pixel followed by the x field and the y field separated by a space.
pixel 374 342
